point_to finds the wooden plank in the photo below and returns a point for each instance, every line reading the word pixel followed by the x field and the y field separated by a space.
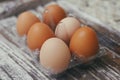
pixel 22 63
pixel 14 71
pixel 96 71
pixel 5 0
pixel 106 67
pixel 93 72
pixel 9 32
pixel 4 75
pixel 23 7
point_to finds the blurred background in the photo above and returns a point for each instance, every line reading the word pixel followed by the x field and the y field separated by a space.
pixel 108 11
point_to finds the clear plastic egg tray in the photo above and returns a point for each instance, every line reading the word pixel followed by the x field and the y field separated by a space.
pixel 21 41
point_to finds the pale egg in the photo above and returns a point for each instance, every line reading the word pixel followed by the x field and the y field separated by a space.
pixel 55 55
pixel 66 28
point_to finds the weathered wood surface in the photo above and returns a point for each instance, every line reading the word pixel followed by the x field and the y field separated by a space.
pixel 17 62
pixel 23 7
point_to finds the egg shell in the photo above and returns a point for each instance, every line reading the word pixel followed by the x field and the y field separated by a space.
pixel 25 21
pixel 66 28
pixel 53 14
pixel 37 34
pixel 55 55
pixel 84 43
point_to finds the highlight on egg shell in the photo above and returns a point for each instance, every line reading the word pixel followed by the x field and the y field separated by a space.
pixel 55 55
pixel 66 28
pixel 84 43
pixel 37 34
pixel 53 14
pixel 25 21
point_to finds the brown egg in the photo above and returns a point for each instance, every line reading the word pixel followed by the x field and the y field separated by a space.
pixel 84 42
pixel 55 55
pixel 25 21
pixel 66 28
pixel 53 14
pixel 37 34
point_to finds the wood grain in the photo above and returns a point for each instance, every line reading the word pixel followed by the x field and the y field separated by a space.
pixel 11 49
pixel 23 7
pixel 17 62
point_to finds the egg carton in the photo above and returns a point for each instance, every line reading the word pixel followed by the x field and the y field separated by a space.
pixel 20 42
pixel 74 60
pixel 8 30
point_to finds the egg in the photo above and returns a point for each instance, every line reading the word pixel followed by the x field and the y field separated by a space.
pixel 25 21
pixel 66 28
pixel 37 34
pixel 55 55
pixel 53 14
pixel 84 43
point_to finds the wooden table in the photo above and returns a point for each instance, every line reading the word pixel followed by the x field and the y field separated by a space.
pixel 17 62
